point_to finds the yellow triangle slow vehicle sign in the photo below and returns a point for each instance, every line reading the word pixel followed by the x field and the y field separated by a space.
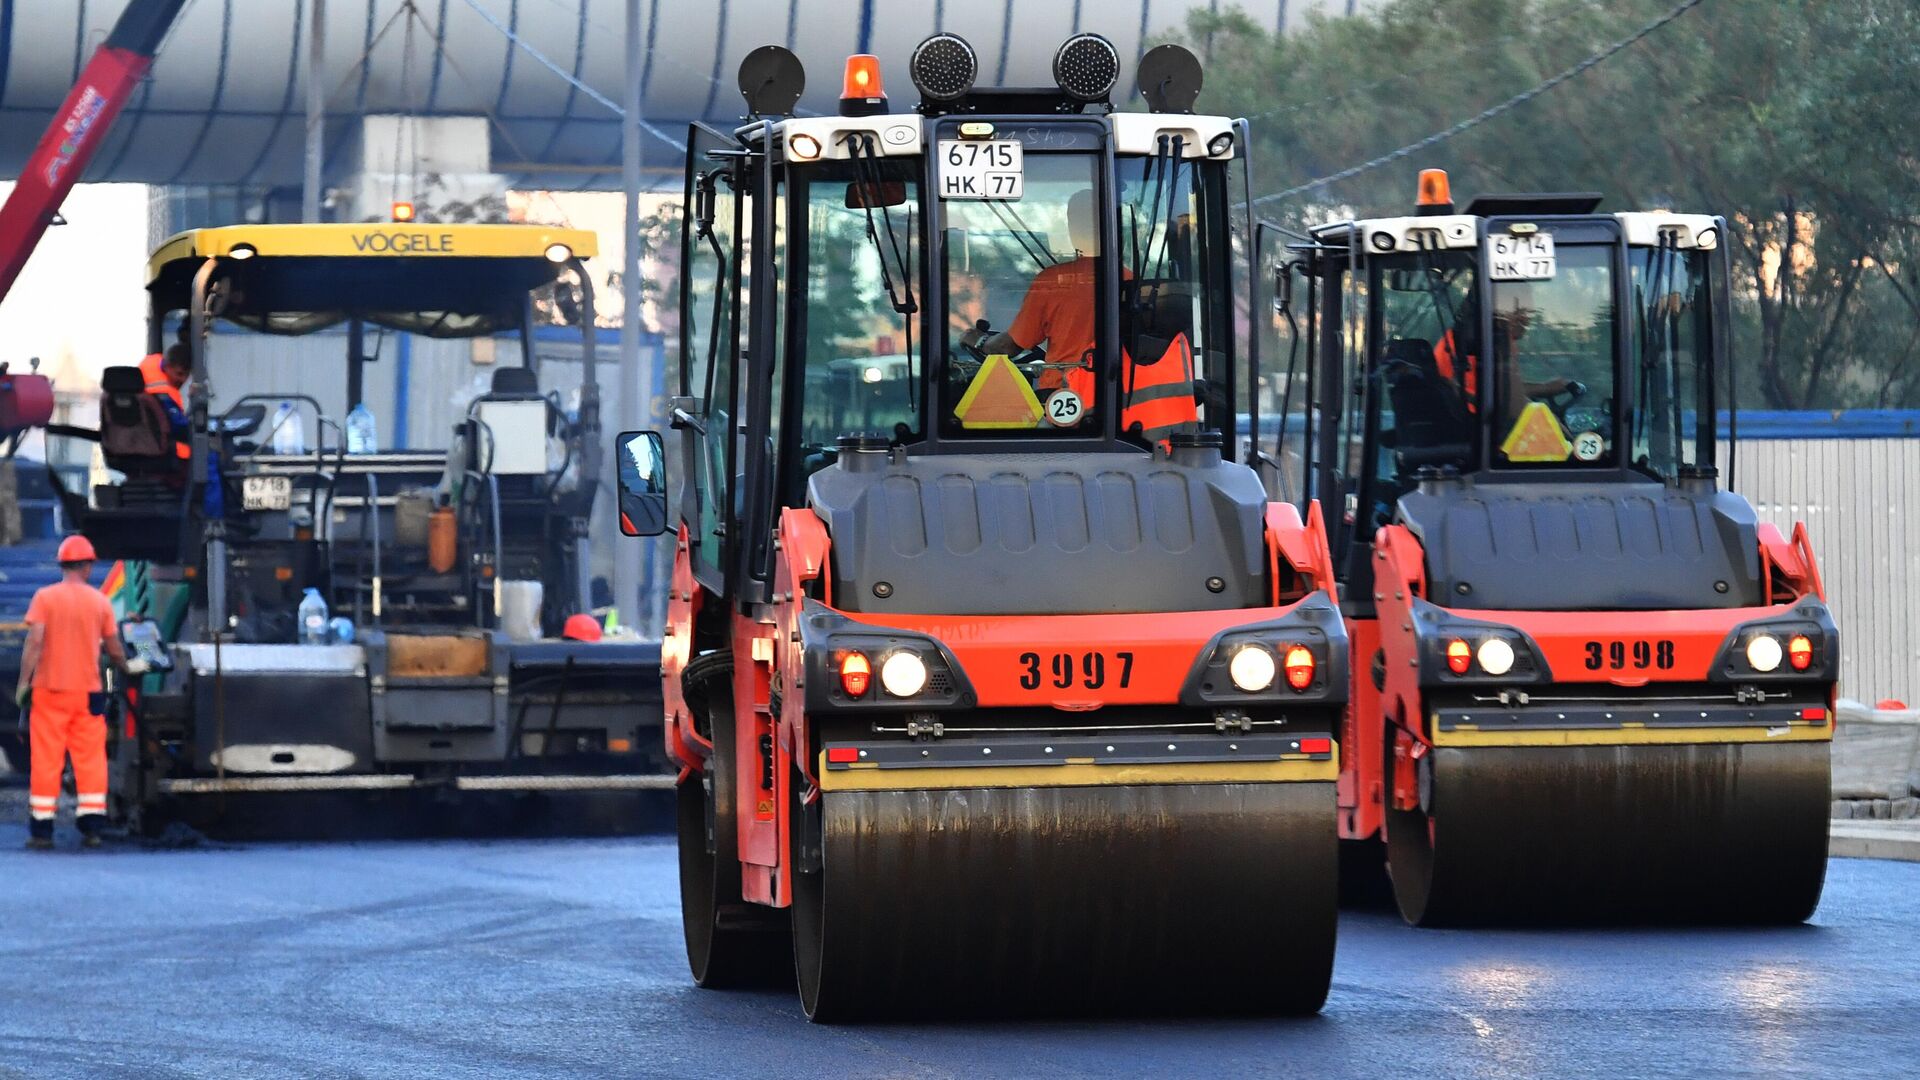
pixel 1536 436
pixel 998 397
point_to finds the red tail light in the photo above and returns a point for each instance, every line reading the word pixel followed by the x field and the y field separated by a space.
pixel 1299 665
pixel 1800 652
pixel 856 674
pixel 1459 657
pixel 842 755
pixel 1316 746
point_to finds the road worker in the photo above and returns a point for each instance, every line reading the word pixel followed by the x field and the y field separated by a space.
pixel 68 624
pixel 1059 310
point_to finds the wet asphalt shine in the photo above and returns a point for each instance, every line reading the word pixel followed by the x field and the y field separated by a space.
pixel 543 956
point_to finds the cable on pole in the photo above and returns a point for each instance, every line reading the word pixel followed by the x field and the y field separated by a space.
pixel 1486 114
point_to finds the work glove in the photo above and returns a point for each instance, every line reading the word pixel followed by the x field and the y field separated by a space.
pixel 138 666
pixel 20 696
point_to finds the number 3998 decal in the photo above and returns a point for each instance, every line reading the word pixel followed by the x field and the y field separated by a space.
pixel 1639 655
pixel 1064 671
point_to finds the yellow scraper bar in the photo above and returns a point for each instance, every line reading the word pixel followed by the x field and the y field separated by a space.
pixel 1630 736
pixel 871 778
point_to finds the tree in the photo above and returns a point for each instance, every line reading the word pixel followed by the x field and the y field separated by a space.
pixel 1796 119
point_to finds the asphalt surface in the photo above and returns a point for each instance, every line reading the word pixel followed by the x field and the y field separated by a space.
pixel 563 957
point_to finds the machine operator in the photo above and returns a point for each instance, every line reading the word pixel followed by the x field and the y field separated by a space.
pixel 1059 310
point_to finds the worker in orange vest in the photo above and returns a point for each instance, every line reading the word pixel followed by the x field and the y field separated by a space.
pixel 67 626
pixel 165 374
pixel 1059 310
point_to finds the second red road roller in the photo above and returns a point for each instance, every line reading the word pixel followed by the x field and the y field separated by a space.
pixel 1587 683
pixel 996 681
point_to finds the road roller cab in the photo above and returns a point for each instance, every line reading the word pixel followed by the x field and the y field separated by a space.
pixel 1588 684
pixel 988 656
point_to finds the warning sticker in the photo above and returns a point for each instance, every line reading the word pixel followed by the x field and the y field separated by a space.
pixel 998 397
pixel 1588 446
pixel 1536 436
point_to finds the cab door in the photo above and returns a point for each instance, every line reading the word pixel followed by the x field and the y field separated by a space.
pixel 706 412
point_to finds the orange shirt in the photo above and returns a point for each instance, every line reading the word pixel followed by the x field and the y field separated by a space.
pixel 1059 310
pixel 78 618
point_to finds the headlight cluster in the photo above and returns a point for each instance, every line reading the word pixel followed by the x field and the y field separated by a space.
pixel 1253 667
pixel 903 673
pixel 1491 654
pixel 1764 652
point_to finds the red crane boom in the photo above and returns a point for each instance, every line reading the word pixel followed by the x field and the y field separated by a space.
pixel 79 128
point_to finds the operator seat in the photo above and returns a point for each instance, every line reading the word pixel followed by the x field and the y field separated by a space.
pixel 135 435
pixel 1430 421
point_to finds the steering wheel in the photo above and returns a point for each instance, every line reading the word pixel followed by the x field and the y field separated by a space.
pixel 1574 391
pixel 982 330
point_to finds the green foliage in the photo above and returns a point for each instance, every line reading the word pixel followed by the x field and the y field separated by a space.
pixel 1796 119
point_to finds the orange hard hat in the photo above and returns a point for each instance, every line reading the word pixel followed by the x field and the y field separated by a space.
pixel 75 549
pixel 581 627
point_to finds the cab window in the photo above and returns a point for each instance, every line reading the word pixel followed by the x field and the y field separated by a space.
pixel 1553 351
pixel 1022 340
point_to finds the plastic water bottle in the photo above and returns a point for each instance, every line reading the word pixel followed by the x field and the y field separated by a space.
pixel 362 437
pixel 289 431
pixel 313 619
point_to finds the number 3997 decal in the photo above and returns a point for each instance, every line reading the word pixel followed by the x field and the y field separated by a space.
pixel 1620 655
pixel 1064 671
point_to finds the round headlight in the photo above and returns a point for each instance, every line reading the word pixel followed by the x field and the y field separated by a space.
pixel 803 147
pixel 903 674
pixel 1763 652
pixel 558 253
pixel 1496 656
pixel 1252 668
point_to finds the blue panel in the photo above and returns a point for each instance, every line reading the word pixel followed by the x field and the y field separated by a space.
pixel 1826 424
pixel 6 43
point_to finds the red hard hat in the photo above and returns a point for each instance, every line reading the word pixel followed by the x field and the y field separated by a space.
pixel 581 627
pixel 75 549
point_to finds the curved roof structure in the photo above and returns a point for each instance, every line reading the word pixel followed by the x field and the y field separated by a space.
pixel 226 101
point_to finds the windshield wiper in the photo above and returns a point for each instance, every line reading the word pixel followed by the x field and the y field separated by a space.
pixel 866 165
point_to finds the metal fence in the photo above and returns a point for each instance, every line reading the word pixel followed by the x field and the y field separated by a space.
pixel 1854 478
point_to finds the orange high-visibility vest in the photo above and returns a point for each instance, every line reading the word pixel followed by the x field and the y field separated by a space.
pixel 1161 399
pixel 1445 358
pixel 158 383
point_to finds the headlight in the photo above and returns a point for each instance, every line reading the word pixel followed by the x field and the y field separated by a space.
pixel 1495 656
pixel 1763 652
pixel 1459 657
pixel 1252 668
pixel 903 674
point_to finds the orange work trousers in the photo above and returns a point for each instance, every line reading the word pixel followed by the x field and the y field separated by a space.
pixel 62 723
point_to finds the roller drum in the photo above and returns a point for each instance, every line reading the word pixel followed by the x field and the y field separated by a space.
pixel 1716 833
pixel 1192 898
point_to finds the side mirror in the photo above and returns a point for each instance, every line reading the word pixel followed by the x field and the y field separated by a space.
pixel 642 466
pixel 1283 288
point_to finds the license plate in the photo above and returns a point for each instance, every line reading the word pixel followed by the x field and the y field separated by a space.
pixel 1521 258
pixel 266 492
pixel 981 169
